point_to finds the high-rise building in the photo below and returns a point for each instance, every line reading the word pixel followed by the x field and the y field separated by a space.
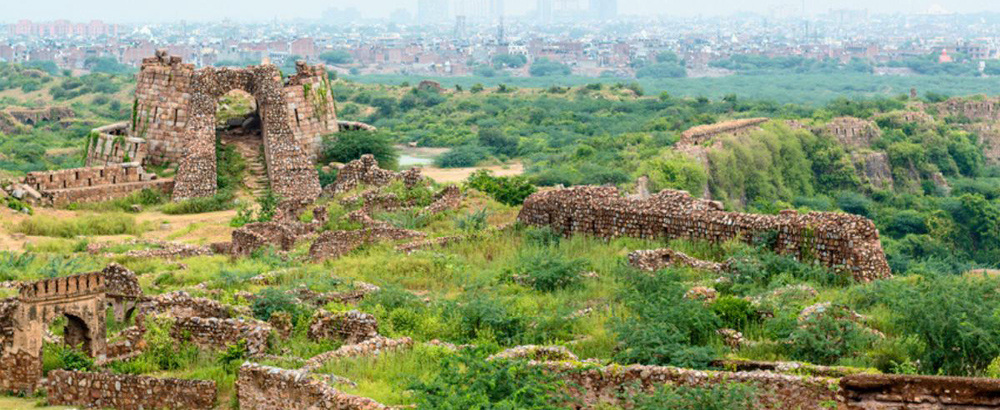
pixel 544 10
pixel 432 11
pixel 604 9
pixel 480 10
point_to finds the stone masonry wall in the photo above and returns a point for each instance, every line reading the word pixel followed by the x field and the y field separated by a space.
pixel 350 327
pixel 220 333
pixel 892 392
pixel 175 112
pixel 270 388
pixel 975 109
pixel 702 133
pixel 836 240
pixel 109 145
pixel 128 392
pixel 593 384
pixel 854 132
pixel 92 184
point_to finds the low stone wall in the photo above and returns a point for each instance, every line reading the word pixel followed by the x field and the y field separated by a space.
pixel 703 133
pixel 270 388
pixel 182 305
pixel 893 392
pixel 334 244
pixel 93 184
pixel 370 347
pixel 449 198
pixel 608 384
pixel 656 259
pixel 256 235
pixel 219 333
pixel 128 392
pixel 836 240
pixel 350 327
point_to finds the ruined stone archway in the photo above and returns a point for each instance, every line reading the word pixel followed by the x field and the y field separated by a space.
pixel 175 110
pixel 23 321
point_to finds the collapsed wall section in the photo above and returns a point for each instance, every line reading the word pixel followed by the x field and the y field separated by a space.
pixel 836 240
pixel 270 388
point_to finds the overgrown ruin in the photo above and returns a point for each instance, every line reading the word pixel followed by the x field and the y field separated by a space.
pixel 836 240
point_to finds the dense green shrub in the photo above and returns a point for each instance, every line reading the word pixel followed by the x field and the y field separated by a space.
pixel 545 270
pixel 469 381
pixel 272 300
pixel 462 157
pixel 61 356
pixel 486 316
pixel 544 67
pixel 729 396
pixel 507 190
pixel 734 312
pixel 350 145
pixel 662 327
pixel 829 335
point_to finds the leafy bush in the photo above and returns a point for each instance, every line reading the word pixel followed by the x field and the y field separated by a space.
pixel 729 396
pixel 506 190
pixel 272 300
pixel 544 67
pixel 462 157
pixel 351 145
pixel 61 356
pixel 662 327
pixel 473 221
pixel 734 312
pixel 469 381
pixel 826 337
pixel 484 316
pixel 267 205
pixel 546 271
pixel 498 142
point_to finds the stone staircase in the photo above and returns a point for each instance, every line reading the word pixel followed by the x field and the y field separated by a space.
pixel 249 147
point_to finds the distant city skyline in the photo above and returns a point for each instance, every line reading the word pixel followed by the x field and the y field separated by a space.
pixel 125 11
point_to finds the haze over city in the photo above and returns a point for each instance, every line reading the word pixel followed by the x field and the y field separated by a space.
pixel 258 10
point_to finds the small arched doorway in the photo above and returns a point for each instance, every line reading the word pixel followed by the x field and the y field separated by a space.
pixel 238 129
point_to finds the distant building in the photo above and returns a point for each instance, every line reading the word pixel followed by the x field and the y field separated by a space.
pixel 544 10
pixel 944 58
pixel 604 9
pixel 432 11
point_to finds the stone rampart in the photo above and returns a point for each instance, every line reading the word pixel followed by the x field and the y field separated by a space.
pixel 110 145
pixel 270 388
pixel 33 116
pixel 128 392
pixel 854 132
pixel 982 109
pixel 836 240
pixel 703 133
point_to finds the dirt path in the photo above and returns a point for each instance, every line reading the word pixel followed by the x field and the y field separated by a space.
pixel 460 174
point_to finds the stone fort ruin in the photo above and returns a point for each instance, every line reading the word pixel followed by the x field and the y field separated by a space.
pixel 174 119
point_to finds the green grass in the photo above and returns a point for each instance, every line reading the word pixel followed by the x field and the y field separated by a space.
pixel 113 223
pixel 221 201
pixel 387 377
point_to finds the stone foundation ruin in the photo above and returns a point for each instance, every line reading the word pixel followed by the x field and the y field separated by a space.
pixel 703 133
pixel 841 241
pixel 128 392
pixel 100 183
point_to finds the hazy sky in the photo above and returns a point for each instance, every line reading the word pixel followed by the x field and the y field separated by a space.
pixel 246 10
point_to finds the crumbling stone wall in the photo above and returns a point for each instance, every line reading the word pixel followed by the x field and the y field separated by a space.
pixel 703 133
pixel 366 171
pixel 109 145
pixel 854 132
pixel 91 184
pixel 175 112
pixel 355 126
pixel 980 109
pixel 33 116
pixel 350 327
pixel 128 392
pixel 78 298
pixel 270 388
pixel 891 392
pixel 836 240
pixel 334 244
pixel 182 305
pixel 874 167
pixel 122 290
pixel 219 333
pixel 260 234
pixel 606 384
pixel 656 259
pixel 370 347
pixel 989 137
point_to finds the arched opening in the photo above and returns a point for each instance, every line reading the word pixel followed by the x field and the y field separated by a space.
pixel 239 130
pixel 66 344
